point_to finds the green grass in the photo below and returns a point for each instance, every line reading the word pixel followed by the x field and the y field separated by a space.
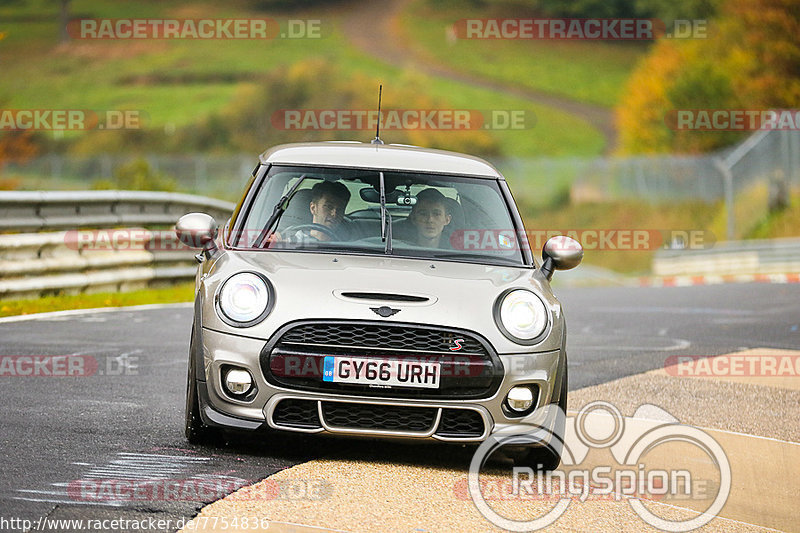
pixel 102 75
pixel 619 215
pixel 752 218
pixel 183 292
pixel 588 71
pixel 150 76
pixel 783 223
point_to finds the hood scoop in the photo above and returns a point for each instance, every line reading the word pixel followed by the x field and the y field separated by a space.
pixel 385 297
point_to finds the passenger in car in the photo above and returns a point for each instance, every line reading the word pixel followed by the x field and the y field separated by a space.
pixel 429 217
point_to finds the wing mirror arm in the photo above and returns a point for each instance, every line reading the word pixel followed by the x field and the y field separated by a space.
pixel 548 267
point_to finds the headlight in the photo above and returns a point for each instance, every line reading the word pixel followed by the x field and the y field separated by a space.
pixel 522 316
pixel 243 299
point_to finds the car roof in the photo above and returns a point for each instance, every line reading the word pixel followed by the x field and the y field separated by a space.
pixel 380 156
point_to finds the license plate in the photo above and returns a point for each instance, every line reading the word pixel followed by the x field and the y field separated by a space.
pixel 381 372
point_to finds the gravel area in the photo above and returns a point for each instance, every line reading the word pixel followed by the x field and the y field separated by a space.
pixel 364 485
pixel 710 403
pixel 368 497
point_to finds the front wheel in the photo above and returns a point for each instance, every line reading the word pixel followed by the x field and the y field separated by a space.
pixel 196 432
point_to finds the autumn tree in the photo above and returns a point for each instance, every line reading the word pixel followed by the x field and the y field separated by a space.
pixel 750 60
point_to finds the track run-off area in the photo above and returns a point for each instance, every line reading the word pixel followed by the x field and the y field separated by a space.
pixel 107 442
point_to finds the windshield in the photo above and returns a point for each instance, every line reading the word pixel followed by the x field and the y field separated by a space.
pixel 428 215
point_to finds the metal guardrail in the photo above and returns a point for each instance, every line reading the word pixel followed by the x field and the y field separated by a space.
pixel 773 256
pixel 47 210
pixel 79 260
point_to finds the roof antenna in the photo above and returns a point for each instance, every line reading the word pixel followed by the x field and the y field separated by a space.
pixel 377 139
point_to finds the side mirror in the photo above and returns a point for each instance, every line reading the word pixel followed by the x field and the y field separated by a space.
pixel 197 230
pixel 560 253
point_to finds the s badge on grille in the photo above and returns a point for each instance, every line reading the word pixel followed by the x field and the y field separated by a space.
pixel 385 311
pixel 456 344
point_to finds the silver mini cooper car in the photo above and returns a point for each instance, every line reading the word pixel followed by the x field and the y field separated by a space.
pixel 378 290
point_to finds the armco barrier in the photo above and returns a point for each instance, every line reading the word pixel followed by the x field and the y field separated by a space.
pixel 49 210
pixel 775 256
pixel 48 262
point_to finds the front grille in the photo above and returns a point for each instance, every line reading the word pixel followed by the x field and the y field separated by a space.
pixel 460 423
pixel 294 358
pixel 380 417
pixel 380 337
pixel 297 413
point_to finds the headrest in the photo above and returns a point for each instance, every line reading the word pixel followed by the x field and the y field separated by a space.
pixel 298 211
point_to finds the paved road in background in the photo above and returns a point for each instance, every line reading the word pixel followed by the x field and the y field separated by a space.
pixel 125 421
pixel 373 27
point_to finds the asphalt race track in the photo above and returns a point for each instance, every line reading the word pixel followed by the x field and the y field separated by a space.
pixel 125 420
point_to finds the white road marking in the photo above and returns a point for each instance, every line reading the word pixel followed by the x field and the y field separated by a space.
pixel 72 312
pixel 675 310
pixel 127 466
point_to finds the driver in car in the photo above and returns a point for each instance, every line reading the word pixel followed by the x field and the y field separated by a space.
pixel 328 202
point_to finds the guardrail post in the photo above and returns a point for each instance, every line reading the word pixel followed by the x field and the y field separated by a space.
pixel 727 185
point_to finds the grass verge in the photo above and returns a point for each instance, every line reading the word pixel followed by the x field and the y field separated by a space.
pixel 588 71
pixel 177 83
pixel 620 215
pixel 183 292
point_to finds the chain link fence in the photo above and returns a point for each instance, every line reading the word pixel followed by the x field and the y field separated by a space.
pixel 219 176
pixel 752 177
pixel 761 171
pixel 767 157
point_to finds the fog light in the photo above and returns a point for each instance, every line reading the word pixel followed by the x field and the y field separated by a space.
pixel 238 382
pixel 519 399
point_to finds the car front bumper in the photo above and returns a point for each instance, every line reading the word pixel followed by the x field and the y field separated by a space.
pixel 218 408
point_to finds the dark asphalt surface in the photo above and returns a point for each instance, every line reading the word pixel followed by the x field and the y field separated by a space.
pixel 126 420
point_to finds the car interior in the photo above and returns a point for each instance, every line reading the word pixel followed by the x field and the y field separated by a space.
pixel 362 218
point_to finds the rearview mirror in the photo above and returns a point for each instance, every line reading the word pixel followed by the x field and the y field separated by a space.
pixel 560 253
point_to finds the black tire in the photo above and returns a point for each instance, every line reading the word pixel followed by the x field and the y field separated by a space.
pixel 196 432
pixel 547 458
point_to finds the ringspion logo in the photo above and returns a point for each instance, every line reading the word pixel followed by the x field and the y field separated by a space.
pixel 639 461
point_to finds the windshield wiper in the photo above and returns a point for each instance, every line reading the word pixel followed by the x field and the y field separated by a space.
pixel 277 211
pixel 386 229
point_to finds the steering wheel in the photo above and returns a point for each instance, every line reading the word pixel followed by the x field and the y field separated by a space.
pixel 308 227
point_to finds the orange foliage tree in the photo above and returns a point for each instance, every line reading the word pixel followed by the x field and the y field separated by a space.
pixel 750 60
pixel 16 146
